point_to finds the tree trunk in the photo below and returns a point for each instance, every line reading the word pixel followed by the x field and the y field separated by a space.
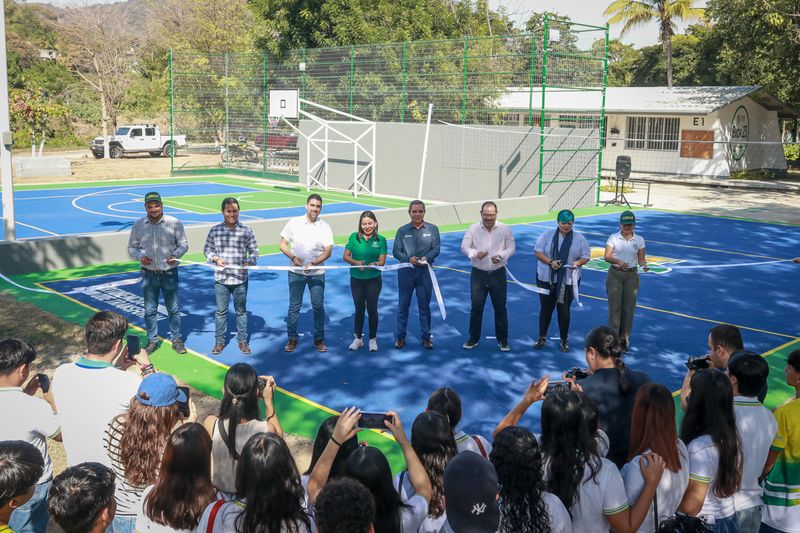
pixel 104 115
pixel 33 143
pixel 41 144
pixel 666 41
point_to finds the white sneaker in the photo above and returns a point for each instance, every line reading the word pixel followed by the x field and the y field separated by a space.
pixel 373 345
pixel 356 344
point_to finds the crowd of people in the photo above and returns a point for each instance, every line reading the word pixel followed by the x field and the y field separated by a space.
pixel 158 241
pixel 606 456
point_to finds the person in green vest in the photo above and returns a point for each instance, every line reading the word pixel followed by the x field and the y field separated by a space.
pixel 365 248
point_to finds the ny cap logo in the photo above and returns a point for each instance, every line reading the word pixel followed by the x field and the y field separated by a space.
pixel 478 509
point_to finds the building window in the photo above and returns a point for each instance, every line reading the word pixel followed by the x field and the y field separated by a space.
pixel 652 133
pixel 583 122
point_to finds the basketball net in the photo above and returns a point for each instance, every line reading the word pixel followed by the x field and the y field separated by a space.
pixel 273 121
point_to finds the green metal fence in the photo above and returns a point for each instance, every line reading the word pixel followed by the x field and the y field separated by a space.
pixel 220 101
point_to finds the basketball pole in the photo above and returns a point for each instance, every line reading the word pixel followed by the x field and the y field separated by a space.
pixel 9 221
pixel 425 151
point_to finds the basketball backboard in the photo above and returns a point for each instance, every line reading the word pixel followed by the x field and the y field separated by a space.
pixel 284 103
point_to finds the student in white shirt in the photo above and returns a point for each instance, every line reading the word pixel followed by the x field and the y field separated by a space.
pixel 525 506
pixel 447 401
pixel 653 431
pixel 269 496
pixel 183 489
pixel 757 428
pixel 625 253
pixel 715 457
pixel 369 466
pixel 307 241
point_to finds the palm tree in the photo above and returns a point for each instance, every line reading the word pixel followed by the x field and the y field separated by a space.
pixel 634 13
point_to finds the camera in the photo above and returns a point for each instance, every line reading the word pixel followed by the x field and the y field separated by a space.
pixel 556 387
pixel 262 384
pixel 698 363
pixel 577 373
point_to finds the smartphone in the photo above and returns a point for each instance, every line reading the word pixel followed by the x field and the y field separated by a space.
pixel 373 420
pixel 44 382
pixel 556 386
pixel 262 384
pixel 183 407
pixel 133 346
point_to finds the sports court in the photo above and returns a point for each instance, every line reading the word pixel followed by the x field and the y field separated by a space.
pixel 91 208
pixel 676 308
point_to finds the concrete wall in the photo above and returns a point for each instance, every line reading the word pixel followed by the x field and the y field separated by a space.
pixel 53 253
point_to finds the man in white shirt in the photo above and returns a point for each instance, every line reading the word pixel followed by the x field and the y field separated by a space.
pixel 307 241
pixel 28 419
pixel 92 390
pixel 488 244
pixel 757 428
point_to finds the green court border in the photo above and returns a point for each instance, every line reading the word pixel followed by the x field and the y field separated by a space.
pixel 299 415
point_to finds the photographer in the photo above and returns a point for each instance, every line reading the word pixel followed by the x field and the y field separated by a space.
pixel 612 387
pixel 723 341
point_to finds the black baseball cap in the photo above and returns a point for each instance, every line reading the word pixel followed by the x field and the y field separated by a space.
pixel 470 494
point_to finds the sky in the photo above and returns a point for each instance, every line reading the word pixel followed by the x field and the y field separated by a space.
pixel 585 11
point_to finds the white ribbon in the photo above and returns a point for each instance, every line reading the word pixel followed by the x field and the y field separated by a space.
pixel 436 290
pixel 540 290
pixel 724 265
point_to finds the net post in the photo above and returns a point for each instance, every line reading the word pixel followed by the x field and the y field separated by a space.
pixel 171 115
pixel 424 151
pixel 403 88
pixel 464 94
pixel 266 110
pixel 603 121
pixel 544 88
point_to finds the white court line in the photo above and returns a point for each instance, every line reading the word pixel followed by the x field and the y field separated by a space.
pixel 38 229
pixel 112 207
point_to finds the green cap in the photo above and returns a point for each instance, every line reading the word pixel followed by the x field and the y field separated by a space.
pixel 627 217
pixel 565 215
pixel 152 197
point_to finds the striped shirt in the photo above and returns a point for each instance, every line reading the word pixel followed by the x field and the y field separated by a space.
pixel 158 241
pixel 128 496
pixel 236 246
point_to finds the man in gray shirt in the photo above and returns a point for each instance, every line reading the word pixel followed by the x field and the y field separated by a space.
pixel 157 241
pixel 417 243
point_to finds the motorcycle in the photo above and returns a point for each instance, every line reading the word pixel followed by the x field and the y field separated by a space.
pixel 240 151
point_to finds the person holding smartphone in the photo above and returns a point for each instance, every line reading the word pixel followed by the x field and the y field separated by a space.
pixel 365 248
pixel 559 251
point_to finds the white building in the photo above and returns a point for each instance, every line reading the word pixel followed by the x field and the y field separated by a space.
pixel 688 131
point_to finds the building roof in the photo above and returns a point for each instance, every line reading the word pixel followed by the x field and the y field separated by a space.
pixel 644 100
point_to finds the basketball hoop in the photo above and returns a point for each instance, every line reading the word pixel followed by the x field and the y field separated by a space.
pixel 273 121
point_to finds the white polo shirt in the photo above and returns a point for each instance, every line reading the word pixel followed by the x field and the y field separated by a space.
pixel 88 394
pixel 29 419
pixel 703 466
pixel 308 239
pixel 600 497
pixel 757 428
pixel 626 249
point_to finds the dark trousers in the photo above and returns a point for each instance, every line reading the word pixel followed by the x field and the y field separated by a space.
pixel 493 283
pixel 549 304
pixel 365 297
pixel 410 280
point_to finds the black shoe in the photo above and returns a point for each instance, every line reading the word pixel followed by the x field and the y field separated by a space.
pixel 564 345
pixel 151 346
pixel 504 346
pixel 178 346
pixel 427 344
pixel 470 344
pixel 541 341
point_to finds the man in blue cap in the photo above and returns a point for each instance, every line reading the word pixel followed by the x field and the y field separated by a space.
pixel 157 241
pixel 559 251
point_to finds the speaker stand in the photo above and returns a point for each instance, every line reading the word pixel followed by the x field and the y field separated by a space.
pixel 619 195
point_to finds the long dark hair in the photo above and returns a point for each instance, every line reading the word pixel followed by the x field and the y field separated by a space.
pixel 433 441
pixel 518 462
pixel 606 343
pixel 268 481
pixel 710 412
pixel 568 445
pixel 144 436
pixel 239 401
pixel 369 466
pixel 183 489
pixel 448 402
pixel 653 425
pixel 370 215
pixel 324 434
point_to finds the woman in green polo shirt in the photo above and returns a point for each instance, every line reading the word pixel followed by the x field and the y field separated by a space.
pixel 365 248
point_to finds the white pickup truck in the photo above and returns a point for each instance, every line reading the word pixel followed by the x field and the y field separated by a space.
pixel 138 138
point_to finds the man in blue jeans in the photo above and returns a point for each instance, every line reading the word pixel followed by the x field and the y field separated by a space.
pixel 231 244
pixel 417 243
pixel 157 241
pixel 307 241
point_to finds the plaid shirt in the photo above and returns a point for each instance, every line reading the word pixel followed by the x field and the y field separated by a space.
pixel 158 241
pixel 236 246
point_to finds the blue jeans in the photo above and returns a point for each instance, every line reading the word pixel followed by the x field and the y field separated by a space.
pixel 122 524
pixel 165 282
pixel 729 524
pixel 749 519
pixel 316 287
pixel 410 280
pixel 223 293
pixel 32 517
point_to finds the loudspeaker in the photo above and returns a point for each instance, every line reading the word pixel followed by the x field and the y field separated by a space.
pixel 623 167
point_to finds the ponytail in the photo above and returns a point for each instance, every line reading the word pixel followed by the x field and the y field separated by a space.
pixel 624 386
pixel 606 344
pixel 239 402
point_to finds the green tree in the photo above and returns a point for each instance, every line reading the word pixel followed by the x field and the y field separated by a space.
pixel 36 113
pixel 633 13
pixel 623 62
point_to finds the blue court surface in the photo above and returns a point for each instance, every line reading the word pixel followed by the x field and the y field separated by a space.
pixel 676 310
pixel 54 212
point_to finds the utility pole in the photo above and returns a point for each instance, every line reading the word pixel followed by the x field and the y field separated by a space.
pixel 9 222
